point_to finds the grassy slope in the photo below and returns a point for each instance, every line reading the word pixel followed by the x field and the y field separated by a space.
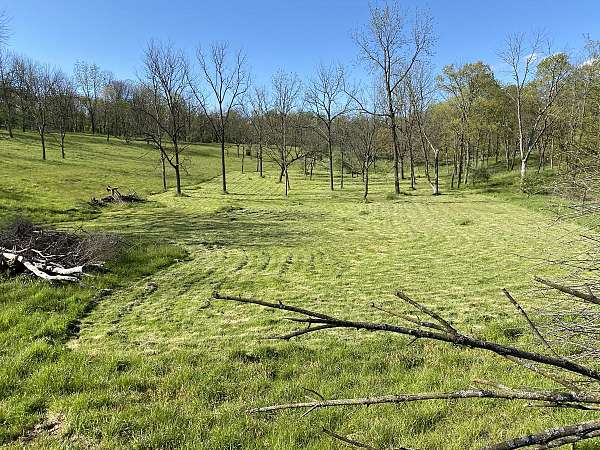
pixel 168 368
pixel 56 189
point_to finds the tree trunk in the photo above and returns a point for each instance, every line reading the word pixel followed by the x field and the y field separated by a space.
pixel 454 170
pixel 467 161
pixel 436 183
pixel 93 120
pixel 43 139
pixel 223 162
pixel 287 181
pixel 412 168
pixel 401 161
pixel 177 175
pixel 460 163
pixel 342 175
pixel 523 168
pixel 366 179
pixel 164 171
pixel 330 150
pixel 305 166
pixel 261 160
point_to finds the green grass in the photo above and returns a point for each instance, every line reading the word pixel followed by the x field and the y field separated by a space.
pixel 37 319
pixel 56 190
pixel 169 368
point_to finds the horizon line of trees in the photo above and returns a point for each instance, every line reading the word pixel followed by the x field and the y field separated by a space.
pixel 404 113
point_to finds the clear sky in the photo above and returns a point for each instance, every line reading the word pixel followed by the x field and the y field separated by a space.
pixel 290 34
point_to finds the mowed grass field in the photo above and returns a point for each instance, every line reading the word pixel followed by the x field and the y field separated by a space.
pixel 158 364
pixel 57 189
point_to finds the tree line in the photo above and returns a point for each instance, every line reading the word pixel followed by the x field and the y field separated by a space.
pixel 464 118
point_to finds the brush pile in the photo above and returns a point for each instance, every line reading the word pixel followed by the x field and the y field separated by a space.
pixel 115 197
pixel 54 255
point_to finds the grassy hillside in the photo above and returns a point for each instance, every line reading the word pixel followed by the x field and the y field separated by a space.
pixel 58 189
pixel 157 364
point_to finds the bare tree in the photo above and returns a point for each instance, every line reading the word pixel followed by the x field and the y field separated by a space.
pixel 39 86
pixel 286 93
pixel 523 58
pixel 107 98
pixel 7 89
pixel 362 141
pixel 63 98
pixel 227 83
pixel 91 81
pixel 117 98
pixel 19 72
pixel 259 104
pixel 361 135
pixel 162 101
pixel 328 100
pixel 391 49
pixel 421 91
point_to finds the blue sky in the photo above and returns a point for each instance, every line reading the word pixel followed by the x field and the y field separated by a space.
pixel 293 35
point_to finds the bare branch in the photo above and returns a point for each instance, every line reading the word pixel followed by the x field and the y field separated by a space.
pixel 589 297
pixel 453 337
pixel 427 311
pixel 529 322
pixel 552 437
pixel 503 393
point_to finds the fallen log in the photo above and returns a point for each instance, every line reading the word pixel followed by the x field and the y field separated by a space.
pixel 54 255
pixel 41 271
pixel 115 197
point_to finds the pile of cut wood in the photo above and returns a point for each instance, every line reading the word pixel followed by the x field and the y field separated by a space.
pixel 115 197
pixel 53 255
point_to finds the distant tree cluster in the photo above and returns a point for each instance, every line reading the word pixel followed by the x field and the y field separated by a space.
pixel 463 119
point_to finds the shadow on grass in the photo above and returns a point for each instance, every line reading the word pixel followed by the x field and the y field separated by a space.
pixel 229 226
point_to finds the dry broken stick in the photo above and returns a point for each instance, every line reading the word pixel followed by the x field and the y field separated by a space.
pixel 441 330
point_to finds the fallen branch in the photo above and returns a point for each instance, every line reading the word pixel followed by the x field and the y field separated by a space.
pixel 452 337
pixel 503 394
pixel 552 437
pixel 442 330
pixel 570 291
pixel 53 255
pixel 115 197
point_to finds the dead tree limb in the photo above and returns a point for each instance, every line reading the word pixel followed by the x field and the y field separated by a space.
pixel 552 437
pixel 532 326
pixel 451 337
pixel 589 297
pixel 443 331
pixel 503 394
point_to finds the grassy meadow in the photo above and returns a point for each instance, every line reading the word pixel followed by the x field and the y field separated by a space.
pixel 155 363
